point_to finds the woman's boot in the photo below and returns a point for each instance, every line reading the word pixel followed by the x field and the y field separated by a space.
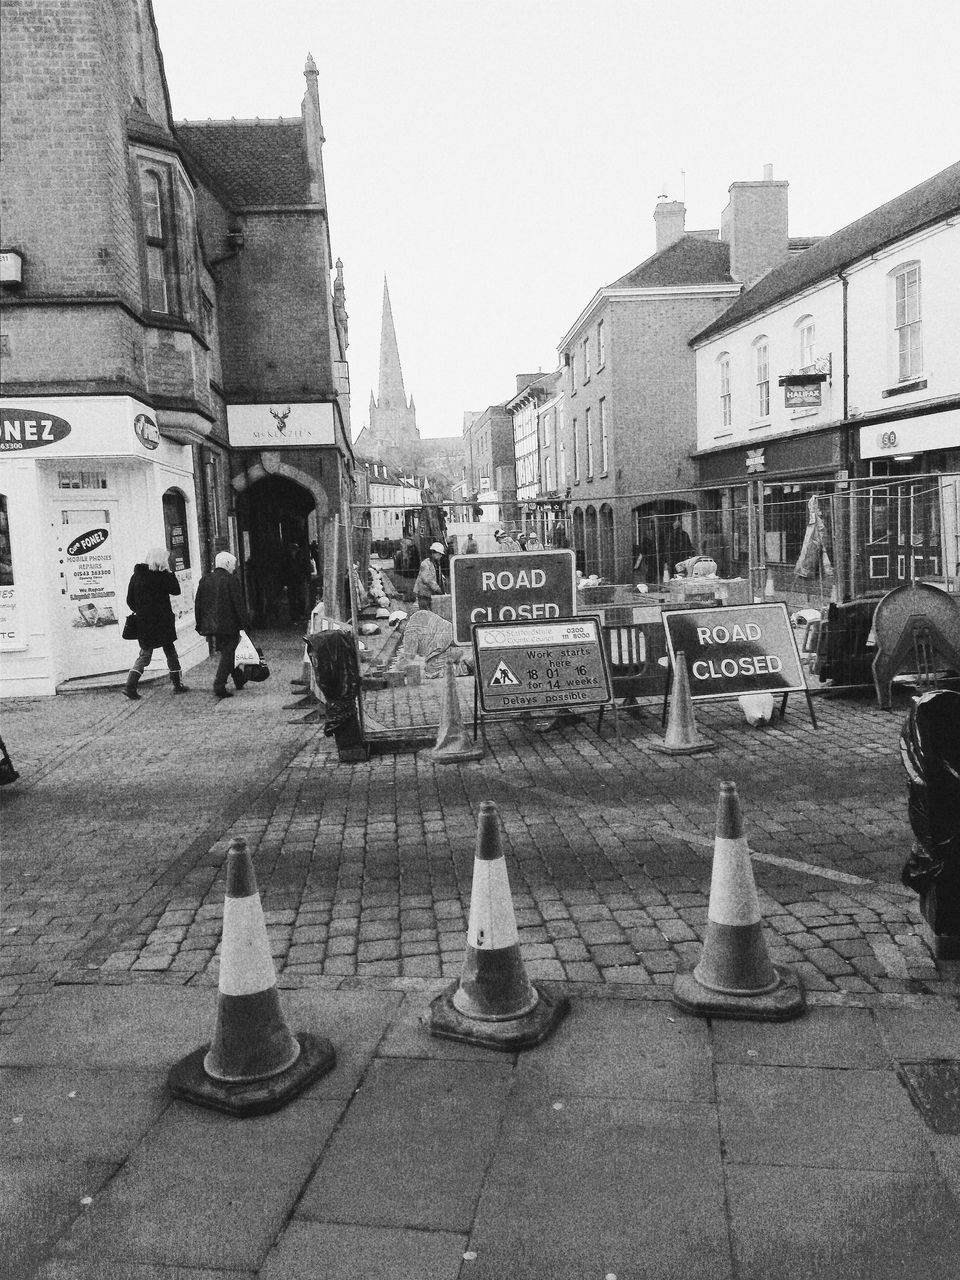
pixel 176 679
pixel 130 688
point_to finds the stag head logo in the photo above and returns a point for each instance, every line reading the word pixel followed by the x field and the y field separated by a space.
pixel 281 418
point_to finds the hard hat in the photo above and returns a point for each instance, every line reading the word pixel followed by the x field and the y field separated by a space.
pixel 437 546
pixel 396 618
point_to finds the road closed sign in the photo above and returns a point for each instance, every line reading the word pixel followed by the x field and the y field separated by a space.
pixel 527 586
pixel 729 652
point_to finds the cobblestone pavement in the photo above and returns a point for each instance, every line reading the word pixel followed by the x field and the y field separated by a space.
pixel 114 844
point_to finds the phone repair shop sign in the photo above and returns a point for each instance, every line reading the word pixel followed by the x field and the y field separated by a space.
pixel 525 586
pixel 521 666
pixel 729 652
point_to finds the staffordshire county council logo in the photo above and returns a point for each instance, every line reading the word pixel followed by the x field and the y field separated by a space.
pixel 148 433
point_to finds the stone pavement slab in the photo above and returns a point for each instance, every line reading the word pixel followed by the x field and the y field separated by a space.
pixel 604 1151
pixel 604 1186
pixel 309 1250
pixel 840 1224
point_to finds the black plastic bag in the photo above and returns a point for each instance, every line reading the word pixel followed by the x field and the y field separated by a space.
pixel 930 753
pixel 333 656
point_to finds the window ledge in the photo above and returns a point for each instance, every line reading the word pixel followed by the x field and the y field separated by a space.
pixel 915 384
pixel 723 435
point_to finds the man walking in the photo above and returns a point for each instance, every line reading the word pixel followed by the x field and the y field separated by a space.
pixel 221 615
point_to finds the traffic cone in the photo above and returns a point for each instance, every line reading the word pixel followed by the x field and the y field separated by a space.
pixel 453 746
pixel 494 1004
pixel 735 978
pixel 255 1064
pixel 682 737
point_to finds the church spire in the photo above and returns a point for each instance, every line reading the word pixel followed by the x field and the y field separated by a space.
pixel 392 394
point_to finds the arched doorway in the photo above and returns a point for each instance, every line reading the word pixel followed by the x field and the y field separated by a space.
pixel 591 543
pixel 607 556
pixel 277 524
pixel 663 535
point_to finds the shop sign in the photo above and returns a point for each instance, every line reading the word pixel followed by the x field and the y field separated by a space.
pixel 511 587
pixel 802 395
pixel 147 431
pixel 755 460
pixel 90 580
pixel 279 426
pixel 521 666
pixel 742 649
pixel 26 429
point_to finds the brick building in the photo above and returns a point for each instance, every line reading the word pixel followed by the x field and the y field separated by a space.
pixel 172 349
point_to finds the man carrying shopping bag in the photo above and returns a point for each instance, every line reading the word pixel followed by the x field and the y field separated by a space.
pixel 221 616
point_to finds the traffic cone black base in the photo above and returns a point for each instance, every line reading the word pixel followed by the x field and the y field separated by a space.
pixel 784 1002
pixel 189 1081
pixel 509 1035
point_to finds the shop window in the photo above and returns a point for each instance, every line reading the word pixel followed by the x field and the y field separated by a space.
pixel 81 480
pixel 175 528
pixel 6 554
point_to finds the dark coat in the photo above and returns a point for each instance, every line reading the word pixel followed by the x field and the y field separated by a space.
pixel 219 607
pixel 148 596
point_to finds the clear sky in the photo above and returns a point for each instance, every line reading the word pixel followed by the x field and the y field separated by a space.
pixel 500 160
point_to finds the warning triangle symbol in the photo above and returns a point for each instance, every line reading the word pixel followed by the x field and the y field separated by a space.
pixel 503 675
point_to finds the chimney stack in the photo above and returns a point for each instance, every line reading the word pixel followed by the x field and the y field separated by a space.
pixel 669 217
pixel 754 224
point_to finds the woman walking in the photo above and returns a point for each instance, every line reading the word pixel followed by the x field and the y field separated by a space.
pixel 148 596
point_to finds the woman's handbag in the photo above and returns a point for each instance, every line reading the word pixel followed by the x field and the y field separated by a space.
pixel 129 631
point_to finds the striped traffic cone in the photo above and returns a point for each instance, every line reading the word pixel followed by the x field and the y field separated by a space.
pixel 735 978
pixel 453 746
pixel 682 737
pixel 255 1064
pixel 494 1004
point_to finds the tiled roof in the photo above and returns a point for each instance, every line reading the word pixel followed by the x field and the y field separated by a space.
pixel 253 162
pixel 937 198
pixel 689 260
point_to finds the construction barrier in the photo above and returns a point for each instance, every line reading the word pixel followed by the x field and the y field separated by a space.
pixel 254 1064
pixel 735 977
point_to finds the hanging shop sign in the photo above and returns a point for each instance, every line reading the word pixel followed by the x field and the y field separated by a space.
pixel 22 429
pixel 729 652
pixel 146 431
pixel 523 666
pixel 802 395
pixel 280 426
pixel 511 587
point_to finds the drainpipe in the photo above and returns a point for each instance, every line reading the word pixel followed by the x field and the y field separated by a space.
pixel 847 578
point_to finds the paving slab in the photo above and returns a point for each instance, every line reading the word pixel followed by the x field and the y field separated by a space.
pixel 39 1198
pixel 817 1117
pixel 622 1049
pixel 60 1269
pixel 76 1113
pixel 840 1224
pixel 412 1150
pixel 928 1031
pixel 311 1250
pixel 821 1038
pixel 204 1189
pixel 597 1187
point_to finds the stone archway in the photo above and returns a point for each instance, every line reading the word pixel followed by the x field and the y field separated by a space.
pixel 281 513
